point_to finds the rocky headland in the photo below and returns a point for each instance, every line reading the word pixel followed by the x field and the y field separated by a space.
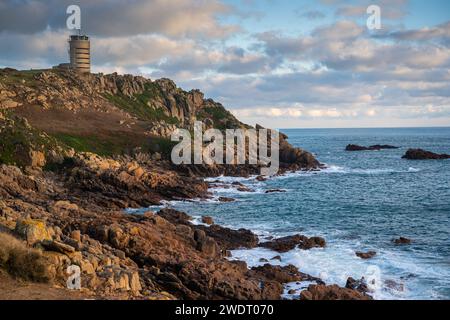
pixel 75 152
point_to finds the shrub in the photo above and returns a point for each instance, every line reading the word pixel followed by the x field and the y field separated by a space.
pixel 20 261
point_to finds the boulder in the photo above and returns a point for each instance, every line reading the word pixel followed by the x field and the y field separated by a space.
pixel 87 267
pixel 226 199
pixel 175 216
pixel 288 243
pixel 366 255
pixel 57 246
pixel 199 235
pixel 76 235
pixel 33 231
pixel 402 240
pixel 229 239
pixel 281 274
pixel 185 231
pixel 207 220
pixel 359 285
pixel 29 157
pixel 275 191
pixel 271 290
pixel 245 189
pixel 331 292
pixel 64 206
pixel 135 282
pixel 118 237
pixel 208 246
pixel 8 104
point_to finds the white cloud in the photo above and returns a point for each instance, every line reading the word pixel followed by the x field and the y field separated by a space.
pixel 336 73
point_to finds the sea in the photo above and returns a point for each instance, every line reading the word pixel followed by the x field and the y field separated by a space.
pixel 360 202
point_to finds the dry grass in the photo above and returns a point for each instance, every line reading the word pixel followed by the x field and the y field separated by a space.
pixel 20 261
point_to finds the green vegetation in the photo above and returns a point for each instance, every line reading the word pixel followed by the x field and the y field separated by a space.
pixel 161 145
pixel 16 77
pixel 117 145
pixel 222 118
pixel 91 144
pixel 139 105
pixel 18 137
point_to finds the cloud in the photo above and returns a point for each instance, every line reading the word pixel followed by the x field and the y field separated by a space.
pixel 336 74
pixel 340 30
pixel 390 9
pixel 441 33
pixel 178 18
pixel 345 45
pixel 26 51
pixel 312 14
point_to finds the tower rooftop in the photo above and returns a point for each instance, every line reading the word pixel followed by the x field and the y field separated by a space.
pixel 79 37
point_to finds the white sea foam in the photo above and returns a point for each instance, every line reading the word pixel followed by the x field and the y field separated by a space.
pixel 233 190
pixel 297 286
pixel 335 263
pixel 400 274
pixel 346 170
pixel 197 220
pixel 228 179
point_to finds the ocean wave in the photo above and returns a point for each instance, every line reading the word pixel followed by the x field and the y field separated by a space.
pixel 231 189
pixel 346 170
pixel 397 274
pixel 228 179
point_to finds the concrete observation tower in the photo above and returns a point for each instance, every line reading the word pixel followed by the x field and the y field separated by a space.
pixel 80 53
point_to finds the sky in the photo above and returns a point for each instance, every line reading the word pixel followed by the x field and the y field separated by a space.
pixel 282 64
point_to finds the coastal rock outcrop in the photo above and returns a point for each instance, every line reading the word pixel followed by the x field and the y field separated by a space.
pixel 288 243
pixel 226 199
pixel 68 197
pixel 332 292
pixel 366 255
pixel 354 147
pixel 420 154
pixel 33 231
pixel 131 256
pixel 402 240
pixel 275 191
pixel 359 285
pixel 208 220
pixel 282 274
pixel 229 239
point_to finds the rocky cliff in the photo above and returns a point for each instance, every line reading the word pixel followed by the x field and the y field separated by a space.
pixel 76 151
pixel 139 97
pixel 47 115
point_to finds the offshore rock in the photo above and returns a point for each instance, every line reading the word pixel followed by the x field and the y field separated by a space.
pixel 419 154
pixel 354 147
pixel 288 243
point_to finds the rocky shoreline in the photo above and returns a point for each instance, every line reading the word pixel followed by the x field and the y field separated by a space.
pixel 75 215
pixel 77 151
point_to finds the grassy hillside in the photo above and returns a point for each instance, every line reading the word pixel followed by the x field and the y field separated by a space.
pixel 50 110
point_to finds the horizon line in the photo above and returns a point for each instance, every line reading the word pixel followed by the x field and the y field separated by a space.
pixel 405 127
